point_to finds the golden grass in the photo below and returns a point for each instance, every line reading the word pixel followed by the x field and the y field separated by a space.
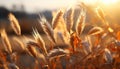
pixel 98 48
pixel 14 24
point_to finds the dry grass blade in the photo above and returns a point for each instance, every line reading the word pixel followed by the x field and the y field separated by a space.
pixel 69 19
pixel 41 56
pixel 15 24
pixel 100 13
pixel 95 31
pixel 6 41
pixel 108 56
pixel 19 43
pixel 40 41
pixel 32 50
pixel 47 29
pixel 33 43
pixel 57 19
pixel 80 22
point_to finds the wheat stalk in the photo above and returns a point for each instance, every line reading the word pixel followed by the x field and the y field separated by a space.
pixel 14 24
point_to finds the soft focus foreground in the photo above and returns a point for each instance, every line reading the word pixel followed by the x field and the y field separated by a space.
pixel 78 37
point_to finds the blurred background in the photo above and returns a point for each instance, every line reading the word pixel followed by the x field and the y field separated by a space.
pixel 27 11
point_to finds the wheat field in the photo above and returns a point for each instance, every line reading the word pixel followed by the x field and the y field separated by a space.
pixel 69 42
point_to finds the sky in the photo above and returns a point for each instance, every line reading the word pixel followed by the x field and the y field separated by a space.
pixel 38 5
pixel 34 5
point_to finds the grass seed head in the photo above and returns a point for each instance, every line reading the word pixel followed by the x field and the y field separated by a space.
pixel 69 15
pixel 5 41
pixel 57 18
pixel 14 24
pixel 40 41
pixel 81 22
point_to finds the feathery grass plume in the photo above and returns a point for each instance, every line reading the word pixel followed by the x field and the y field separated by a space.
pixel 32 50
pixel 47 29
pixel 69 19
pixel 19 43
pixel 57 52
pixel 95 31
pixel 108 56
pixel 57 19
pixel 14 24
pixel 5 41
pixel 61 27
pixel 40 41
pixel 74 41
pixel 81 22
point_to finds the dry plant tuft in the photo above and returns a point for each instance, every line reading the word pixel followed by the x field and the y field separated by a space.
pixel 20 43
pixel 5 41
pixel 47 29
pixel 14 24
pixel 81 22
pixel 40 41
pixel 57 18
pixel 100 45
pixel 69 15
pixel 32 50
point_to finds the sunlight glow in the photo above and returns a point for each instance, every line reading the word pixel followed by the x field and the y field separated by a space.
pixel 107 2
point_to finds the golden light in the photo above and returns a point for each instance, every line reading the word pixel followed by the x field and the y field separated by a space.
pixel 107 2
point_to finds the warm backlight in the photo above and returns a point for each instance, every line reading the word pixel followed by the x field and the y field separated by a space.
pixel 109 1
